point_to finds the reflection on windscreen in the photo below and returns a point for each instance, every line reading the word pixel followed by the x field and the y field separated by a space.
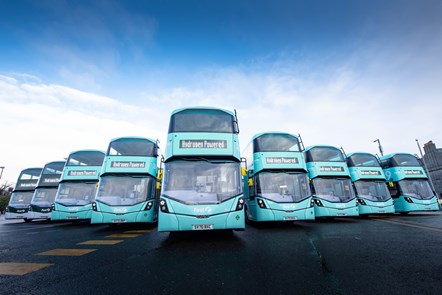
pixel 44 196
pixel 125 190
pixel 333 190
pixel 201 182
pixel 19 198
pixel 419 189
pixel 75 193
pixel 201 121
pixel 376 191
pixel 283 187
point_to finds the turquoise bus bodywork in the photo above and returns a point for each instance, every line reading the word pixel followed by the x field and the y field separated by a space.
pixel 369 183
pixel 330 182
pixel 21 197
pixel 128 187
pixel 77 187
pixel 45 191
pixel 202 188
pixel 276 186
pixel 408 183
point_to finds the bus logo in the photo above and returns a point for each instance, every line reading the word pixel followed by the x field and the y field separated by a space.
pixel 205 210
pixel 120 210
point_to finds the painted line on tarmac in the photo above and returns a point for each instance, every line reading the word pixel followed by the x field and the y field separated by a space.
pixel 100 242
pixel 123 236
pixel 19 269
pixel 27 228
pixel 138 231
pixel 66 252
pixel 409 224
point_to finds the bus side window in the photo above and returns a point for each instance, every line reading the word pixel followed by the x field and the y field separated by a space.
pixel 394 190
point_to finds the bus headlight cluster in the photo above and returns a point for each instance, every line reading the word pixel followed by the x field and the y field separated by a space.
pixel 94 206
pixel 318 203
pixel 312 203
pixel 240 204
pixel 163 206
pixel 53 206
pixel 261 204
pixel 361 201
pixel 409 200
pixel 30 208
pixel 149 206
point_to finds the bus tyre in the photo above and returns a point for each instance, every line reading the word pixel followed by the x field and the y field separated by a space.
pixel 404 213
pixel 27 220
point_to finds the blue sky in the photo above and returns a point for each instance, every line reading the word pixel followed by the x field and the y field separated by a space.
pixel 338 72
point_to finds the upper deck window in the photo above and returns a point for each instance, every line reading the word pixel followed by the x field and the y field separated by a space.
pixel 86 158
pixel 362 160
pixel 54 168
pixel 203 120
pixel 324 154
pixel 405 160
pixel 276 143
pixel 30 174
pixel 132 147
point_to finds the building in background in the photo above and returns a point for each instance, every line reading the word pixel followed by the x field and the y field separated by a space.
pixel 433 159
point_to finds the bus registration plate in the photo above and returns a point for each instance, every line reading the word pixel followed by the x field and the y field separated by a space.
pixel 72 217
pixel 290 218
pixel 119 220
pixel 202 226
pixel 341 214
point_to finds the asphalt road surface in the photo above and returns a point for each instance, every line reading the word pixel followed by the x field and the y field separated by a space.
pixel 376 255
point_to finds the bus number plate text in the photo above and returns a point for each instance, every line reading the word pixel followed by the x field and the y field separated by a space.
pixel 119 220
pixel 290 218
pixel 202 226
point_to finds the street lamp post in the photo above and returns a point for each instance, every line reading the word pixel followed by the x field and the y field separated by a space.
pixel 1 173
pixel 380 147
pixel 425 166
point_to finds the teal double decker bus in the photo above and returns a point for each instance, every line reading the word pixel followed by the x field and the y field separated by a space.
pixel 45 191
pixel 202 187
pixel 369 183
pixel 276 186
pixel 408 183
pixel 20 200
pixel 333 194
pixel 77 187
pixel 128 190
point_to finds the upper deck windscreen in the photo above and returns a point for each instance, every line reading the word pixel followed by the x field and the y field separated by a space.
pixel 30 174
pixel 132 147
pixel 86 158
pixel 362 160
pixel 54 168
pixel 405 160
pixel 324 154
pixel 202 120
pixel 276 143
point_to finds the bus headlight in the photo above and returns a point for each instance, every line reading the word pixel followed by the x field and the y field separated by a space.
pixel 94 206
pixel 362 202
pixel 148 206
pixel 318 203
pixel 261 204
pixel 312 203
pixel 30 208
pixel 409 200
pixel 163 206
pixel 240 204
pixel 53 206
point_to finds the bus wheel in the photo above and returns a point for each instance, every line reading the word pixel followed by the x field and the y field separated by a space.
pixel 27 220
pixel 246 215
pixel 403 213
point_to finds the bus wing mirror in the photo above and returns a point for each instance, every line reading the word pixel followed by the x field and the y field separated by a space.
pixel 250 182
pixel 160 174
pixel 390 184
pixel 243 171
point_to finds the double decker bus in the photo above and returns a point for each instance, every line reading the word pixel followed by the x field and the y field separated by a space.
pixel 330 182
pixel 77 187
pixel 369 182
pixel 202 187
pixel 45 191
pixel 276 186
pixel 128 190
pixel 408 183
pixel 22 194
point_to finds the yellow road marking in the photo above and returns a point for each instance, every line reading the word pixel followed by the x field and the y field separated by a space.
pixel 67 252
pixel 19 269
pixel 123 236
pixel 138 231
pixel 101 242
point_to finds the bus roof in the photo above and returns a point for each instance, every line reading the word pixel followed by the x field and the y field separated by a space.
pixel 273 132
pixel 132 137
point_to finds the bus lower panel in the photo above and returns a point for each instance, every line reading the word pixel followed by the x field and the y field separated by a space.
pixel 401 205
pixel 372 207
pixel 71 216
pixel 174 222
pixel 10 215
pixel 38 215
pixel 131 217
pixel 335 212
pixel 280 215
